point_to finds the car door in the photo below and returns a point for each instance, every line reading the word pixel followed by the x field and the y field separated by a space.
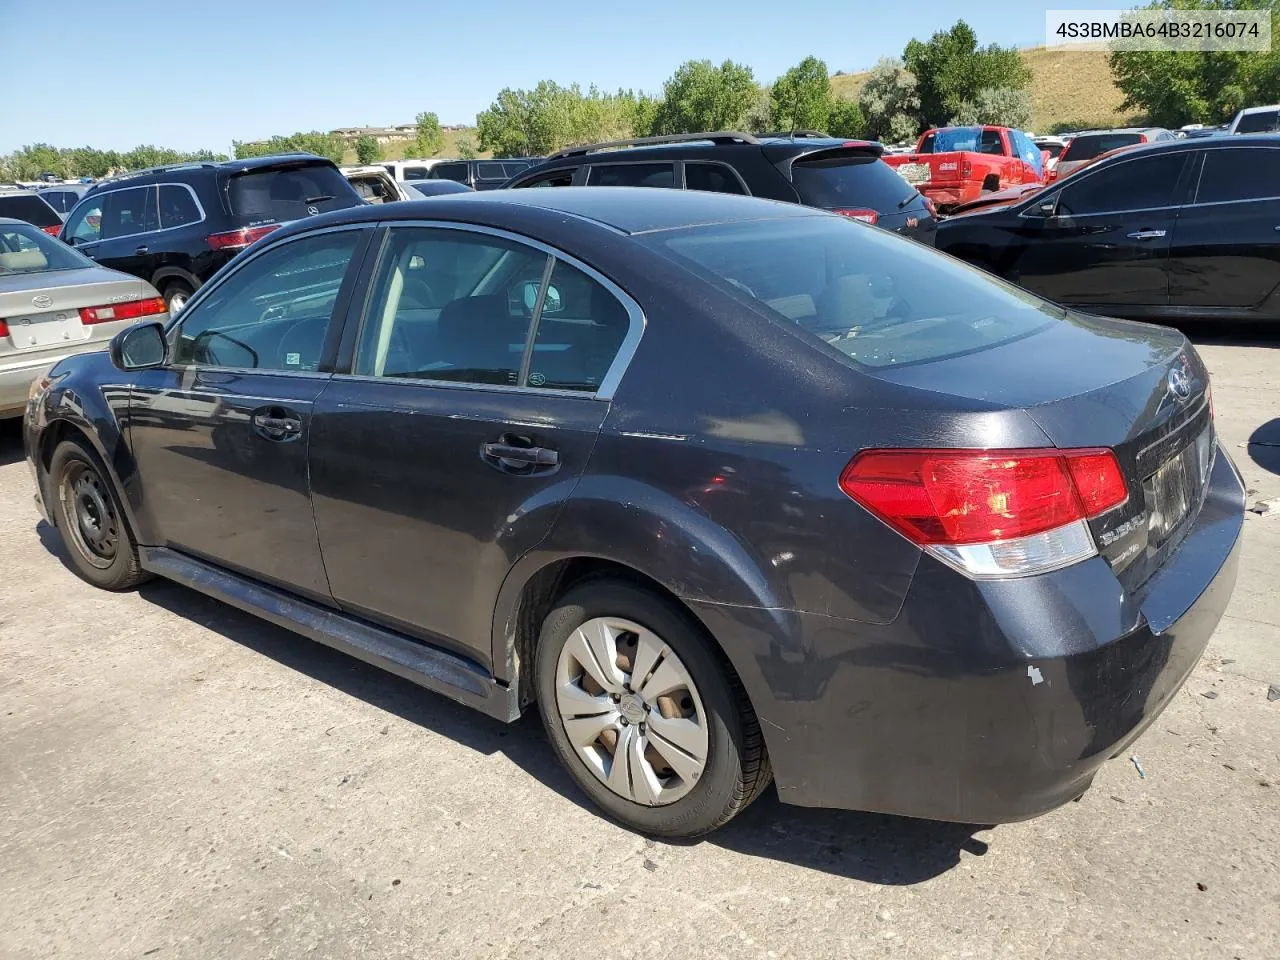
pixel 1226 248
pixel 220 434
pixel 478 383
pixel 1106 236
pixel 128 216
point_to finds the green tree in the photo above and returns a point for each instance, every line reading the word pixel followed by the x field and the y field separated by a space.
pixel 801 99
pixel 429 140
pixel 1001 106
pixel 702 96
pixel 539 121
pixel 368 150
pixel 890 102
pixel 1176 88
pixel 951 68
pixel 846 119
pixel 466 148
pixel 315 142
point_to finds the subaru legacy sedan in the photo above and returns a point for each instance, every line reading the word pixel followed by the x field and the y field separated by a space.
pixel 731 490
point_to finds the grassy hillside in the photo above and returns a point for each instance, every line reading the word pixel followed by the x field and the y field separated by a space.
pixel 1066 87
pixel 396 151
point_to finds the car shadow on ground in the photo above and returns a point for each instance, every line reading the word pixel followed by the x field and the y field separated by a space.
pixel 10 441
pixel 869 847
pixel 1229 333
pixel 1264 445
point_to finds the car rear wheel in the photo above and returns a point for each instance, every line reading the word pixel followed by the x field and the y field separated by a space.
pixel 648 719
pixel 176 293
pixel 88 516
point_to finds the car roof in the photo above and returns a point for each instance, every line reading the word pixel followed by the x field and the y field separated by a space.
pixel 246 165
pixel 1274 106
pixel 628 210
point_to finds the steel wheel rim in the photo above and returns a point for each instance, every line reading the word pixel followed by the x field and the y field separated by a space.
pixel 631 711
pixel 93 526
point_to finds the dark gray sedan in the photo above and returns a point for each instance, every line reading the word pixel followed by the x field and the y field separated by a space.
pixel 55 302
pixel 732 490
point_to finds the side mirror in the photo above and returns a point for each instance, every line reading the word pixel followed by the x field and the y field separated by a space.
pixel 1047 208
pixel 140 347
pixel 524 297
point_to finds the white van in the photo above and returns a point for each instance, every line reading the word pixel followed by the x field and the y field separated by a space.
pixel 411 169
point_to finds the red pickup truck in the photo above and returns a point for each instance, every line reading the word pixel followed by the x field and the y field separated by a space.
pixel 954 165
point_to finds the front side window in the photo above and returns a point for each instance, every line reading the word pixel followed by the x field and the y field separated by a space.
pixel 1264 121
pixel 450 171
pixel 560 178
pixel 177 206
pixel 1143 184
pixel 633 175
pixel 1245 173
pixel 454 306
pixel 715 177
pixel 128 212
pixel 272 313
pixel 84 225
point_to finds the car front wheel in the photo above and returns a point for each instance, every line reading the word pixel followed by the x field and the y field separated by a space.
pixel 650 721
pixel 88 516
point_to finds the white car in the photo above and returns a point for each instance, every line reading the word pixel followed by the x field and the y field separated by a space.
pixel 411 169
pixel 374 184
pixel 1256 120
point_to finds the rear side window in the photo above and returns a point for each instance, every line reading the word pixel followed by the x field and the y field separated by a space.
pixel 1246 173
pixel 415 173
pixel 1266 121
pixel 1053 149
pixel 849 181
pixel 877 298
pixel 61 200
pixel 514 167
pixel 450 171
pixel 1089 145
pixel 177 206
pixel 490 170
pixel 715 177
pixel 990 142
pixel 1141 184
pixel 289 193
pixel 560 178
pixel 28 207
pixel 633 175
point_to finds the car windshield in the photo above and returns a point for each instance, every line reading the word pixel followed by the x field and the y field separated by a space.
pixel 24 249
pixel 879 299
pixel 1089 145
pixel 28 207
pixel 850 180
pixel 289 193
pixel 1264 121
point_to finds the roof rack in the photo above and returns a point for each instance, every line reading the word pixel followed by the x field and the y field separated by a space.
pixel 797 134
pixel 719 136
pixel 164 168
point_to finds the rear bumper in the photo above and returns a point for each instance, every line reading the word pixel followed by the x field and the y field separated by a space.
pixel 945 196
pixel 984 702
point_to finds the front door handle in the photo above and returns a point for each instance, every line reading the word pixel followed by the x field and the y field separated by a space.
pixel 533 456
pixel 141 250
pixel 1146 235
pixel 275 423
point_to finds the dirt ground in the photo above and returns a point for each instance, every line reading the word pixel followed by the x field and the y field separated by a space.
pixel 178 779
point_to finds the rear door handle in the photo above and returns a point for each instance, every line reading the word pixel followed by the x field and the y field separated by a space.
pixel 274 423
pixel 141 250
pixel 1146 235
pixel 534 456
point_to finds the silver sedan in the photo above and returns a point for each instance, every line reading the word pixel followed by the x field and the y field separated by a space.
pixel 55 302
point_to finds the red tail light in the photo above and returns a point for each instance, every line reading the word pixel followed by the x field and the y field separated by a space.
pixel 53 230
pixel 1142 138
pixel 4 329
pixel 237 239
pixel 132 310
pixel 858 213
pixel 980 496
pixel 966 169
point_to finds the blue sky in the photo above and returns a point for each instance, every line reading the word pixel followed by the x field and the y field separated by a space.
pixel 189 74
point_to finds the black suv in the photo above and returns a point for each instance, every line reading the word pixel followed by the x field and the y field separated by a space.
pixel 844 176
pixel 175 226
pixel 481 174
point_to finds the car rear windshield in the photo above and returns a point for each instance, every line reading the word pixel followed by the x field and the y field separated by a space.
pixel 849 180
pixel 28 207
pixel 1265 121
pixel 25 249
pixel 879 299
pixel 1089 145
pixel 291 192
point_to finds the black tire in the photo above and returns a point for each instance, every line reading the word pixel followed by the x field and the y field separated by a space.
pixel 737 769
pixel 176 290
pixel 79 487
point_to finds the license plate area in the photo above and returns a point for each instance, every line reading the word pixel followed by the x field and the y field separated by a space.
pixel 46 329
pixel 914 172
pixel 1176 488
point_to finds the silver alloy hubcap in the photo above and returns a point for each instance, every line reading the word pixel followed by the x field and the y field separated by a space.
pixel 177 302
pixel 631 711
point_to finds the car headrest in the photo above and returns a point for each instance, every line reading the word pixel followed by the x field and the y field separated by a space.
pixel 845 302
pixel 24 260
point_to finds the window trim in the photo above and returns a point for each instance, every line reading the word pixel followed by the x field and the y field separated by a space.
pixel 340 311
pixel 685 164
pixel 637 321
pixel 99 194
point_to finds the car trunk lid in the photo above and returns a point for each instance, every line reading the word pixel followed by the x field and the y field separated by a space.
pixel 43 310
pixel 1139 390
